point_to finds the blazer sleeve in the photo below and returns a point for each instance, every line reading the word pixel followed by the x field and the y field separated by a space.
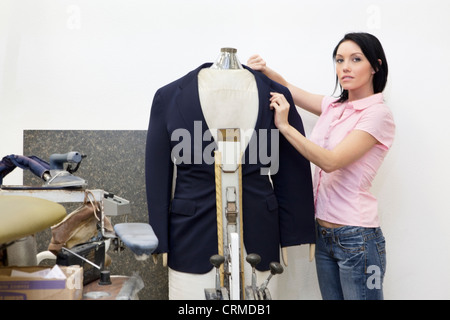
pixel 293 187
pixel 158 171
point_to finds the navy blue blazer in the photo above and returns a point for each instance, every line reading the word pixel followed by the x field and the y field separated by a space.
pixel 274 215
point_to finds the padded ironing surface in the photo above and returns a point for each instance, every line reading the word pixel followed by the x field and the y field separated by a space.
pixel 138 237
pixel 21 216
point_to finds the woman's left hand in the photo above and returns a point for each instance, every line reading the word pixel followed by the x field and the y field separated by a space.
pixel 281 106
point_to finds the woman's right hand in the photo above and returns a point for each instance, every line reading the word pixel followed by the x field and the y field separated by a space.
pixel 257 63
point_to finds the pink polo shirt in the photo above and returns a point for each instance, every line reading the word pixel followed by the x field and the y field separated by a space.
pixel 343 196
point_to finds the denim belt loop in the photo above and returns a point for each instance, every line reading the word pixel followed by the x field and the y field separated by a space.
pixel 328 233
pixel 334 236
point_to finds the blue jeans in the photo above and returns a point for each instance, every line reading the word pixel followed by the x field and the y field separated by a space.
pixel 350 262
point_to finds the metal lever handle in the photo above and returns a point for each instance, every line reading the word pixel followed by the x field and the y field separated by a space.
pixel 253 259
pixel 275 268
pixel 217 260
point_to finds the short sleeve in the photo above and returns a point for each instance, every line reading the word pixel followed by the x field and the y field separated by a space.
pixel 378 121
pixel 326 102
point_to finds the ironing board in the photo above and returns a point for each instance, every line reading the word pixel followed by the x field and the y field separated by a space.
pixel 21 216
pixel 139 237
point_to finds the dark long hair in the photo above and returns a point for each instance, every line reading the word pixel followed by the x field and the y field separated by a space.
pixel 372 49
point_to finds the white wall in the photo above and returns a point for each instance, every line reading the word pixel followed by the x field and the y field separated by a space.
pixel 96 65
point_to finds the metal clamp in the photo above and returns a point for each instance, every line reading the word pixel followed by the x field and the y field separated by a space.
pixel 231 207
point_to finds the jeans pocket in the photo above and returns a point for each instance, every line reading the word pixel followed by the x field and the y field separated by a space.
pixel 351 243
pixel 381 248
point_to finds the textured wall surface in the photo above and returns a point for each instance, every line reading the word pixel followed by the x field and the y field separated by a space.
pixel 114 163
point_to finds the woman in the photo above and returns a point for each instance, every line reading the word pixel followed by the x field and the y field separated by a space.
pixel 348 144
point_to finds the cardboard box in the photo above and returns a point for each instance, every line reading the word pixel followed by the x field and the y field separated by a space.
pixel 28 288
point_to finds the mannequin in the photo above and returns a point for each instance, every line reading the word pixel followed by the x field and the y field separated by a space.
pixel 229 97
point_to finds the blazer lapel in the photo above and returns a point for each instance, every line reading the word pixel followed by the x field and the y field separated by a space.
pixel 265 115
pixel 188 100
pixel 188 105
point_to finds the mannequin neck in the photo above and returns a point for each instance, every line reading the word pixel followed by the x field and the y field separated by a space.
pixel 227 60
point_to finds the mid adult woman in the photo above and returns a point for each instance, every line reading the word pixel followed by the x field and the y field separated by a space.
pixel 348 144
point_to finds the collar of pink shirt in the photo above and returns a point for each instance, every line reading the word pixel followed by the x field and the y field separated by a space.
pixel 363 103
